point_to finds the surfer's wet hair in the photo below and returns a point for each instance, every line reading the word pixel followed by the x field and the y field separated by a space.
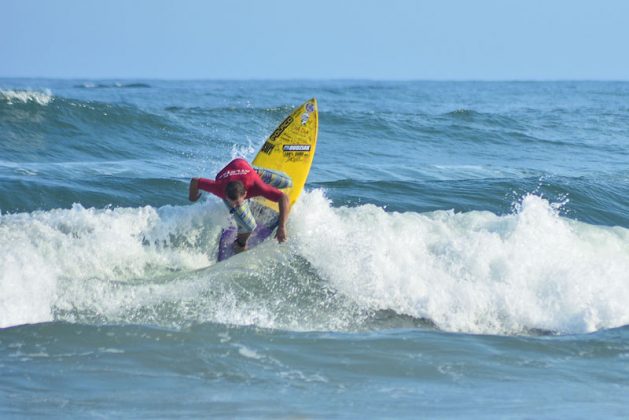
pixel 234 190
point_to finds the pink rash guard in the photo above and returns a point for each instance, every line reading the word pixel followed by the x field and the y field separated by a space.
pixel 240 170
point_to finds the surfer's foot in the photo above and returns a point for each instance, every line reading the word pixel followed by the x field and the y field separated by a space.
pixel 239 248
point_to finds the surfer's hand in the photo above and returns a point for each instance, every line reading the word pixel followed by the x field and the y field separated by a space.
pixel 281 234
pixel 193 191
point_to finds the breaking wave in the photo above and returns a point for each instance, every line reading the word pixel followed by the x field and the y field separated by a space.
pixel 39 97
pixel 344 268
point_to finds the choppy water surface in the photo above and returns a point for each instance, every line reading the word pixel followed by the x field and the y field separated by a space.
pixel 462 249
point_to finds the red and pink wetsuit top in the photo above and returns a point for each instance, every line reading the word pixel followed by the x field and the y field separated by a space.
pixel 240 170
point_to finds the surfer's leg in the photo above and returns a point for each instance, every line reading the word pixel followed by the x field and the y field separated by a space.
pixel 245 221
pixel 276 179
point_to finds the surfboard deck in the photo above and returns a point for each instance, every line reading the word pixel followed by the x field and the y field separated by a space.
pixel 267 220
pixel 289 149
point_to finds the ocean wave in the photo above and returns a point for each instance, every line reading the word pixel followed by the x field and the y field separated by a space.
pixel 486 120
pixel 39 97
pixel 476 271
pixel 58 124
pixel 43 250
pixel 232 111
pixel 116 85
pixel 347 268
pixel 463 112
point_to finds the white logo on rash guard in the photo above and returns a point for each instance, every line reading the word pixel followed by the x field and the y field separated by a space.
pixel 234 172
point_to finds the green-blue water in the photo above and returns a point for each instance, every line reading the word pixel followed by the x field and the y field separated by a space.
pixel 461 250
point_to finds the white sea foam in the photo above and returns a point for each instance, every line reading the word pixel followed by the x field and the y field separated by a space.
pixel 473 272
pixel 40 97
pixel 243 151
pixel 248 353
pixel 42 250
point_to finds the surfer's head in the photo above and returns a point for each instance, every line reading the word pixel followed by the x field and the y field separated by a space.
pixel 235 192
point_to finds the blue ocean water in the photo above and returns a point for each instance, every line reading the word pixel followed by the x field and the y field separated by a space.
pixel 461 250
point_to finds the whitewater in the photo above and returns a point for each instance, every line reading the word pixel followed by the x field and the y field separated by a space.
pixel 465 272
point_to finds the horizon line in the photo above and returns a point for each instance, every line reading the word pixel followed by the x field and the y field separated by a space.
pixel 311 79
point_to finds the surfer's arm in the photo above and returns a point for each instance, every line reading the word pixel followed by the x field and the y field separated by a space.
pixel 284 205
pixel 277 196
pixel 204 184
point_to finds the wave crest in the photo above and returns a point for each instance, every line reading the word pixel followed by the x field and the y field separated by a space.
pixel 61 258
pixel 11 97
pixel 473 272
pixel 344 268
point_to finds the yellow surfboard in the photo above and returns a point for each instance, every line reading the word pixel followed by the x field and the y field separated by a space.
pixel 291 148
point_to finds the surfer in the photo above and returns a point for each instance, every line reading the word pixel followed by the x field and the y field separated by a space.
pixel 235 184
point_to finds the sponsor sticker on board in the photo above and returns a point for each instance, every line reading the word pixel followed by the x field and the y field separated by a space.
pixel 296 148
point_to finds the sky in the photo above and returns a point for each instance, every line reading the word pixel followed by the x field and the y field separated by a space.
pixel 316 39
